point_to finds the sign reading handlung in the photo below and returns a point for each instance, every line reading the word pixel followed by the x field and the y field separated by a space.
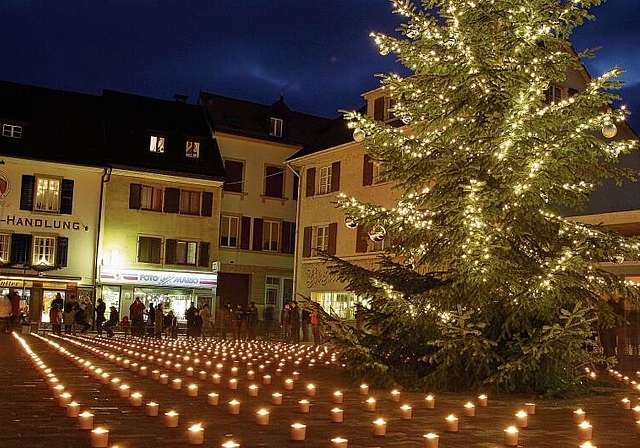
pixel 159 278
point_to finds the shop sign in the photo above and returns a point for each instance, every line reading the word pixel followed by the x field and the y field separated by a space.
pixel 10 283
pixel 159 278
pixel 41 223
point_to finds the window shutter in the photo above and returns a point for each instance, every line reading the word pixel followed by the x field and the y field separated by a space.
pixel 26 194
pixel 286 238
pixel 170 247
pixel 572 92
pixel 367 170
pixel 378 109
pixel 333 231
pixel 66 201
pixel 245 232
pixel 62 249
pixel 274 181
pixel 207 204
pixel 257 233
pixel 233 170
pixel 306 241
pixel 20 249
pixel 361 239
pixel 335 176
pixel 311 182
pixel 134 196
pixel 203 256
pixel 171 200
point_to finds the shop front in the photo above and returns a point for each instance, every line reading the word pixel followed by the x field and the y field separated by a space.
pixel 175 290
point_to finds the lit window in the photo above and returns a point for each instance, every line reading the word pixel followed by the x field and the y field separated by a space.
pixel 271 235
pixel 378 169
pixel 4 247
pixel 149 249
pixel 156 144
pixel 272 290
pixel 193 149
pixel 275 127
pixel 324 185
pixel 11 130
pixel 150 198
pixel 322 238
pixel 47 195
pixel 340 303
pixel 186 252
pixel 189 202
pixel 553 94
pixel 229 231
pixel 44 248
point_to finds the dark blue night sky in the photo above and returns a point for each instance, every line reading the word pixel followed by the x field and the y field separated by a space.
pixel 317 53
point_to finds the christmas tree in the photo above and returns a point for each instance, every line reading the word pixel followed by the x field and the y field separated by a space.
pixel 487 285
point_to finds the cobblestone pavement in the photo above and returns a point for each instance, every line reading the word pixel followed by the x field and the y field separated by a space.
pixel 31 416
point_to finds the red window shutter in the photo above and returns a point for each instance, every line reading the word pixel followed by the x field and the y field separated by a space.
pixel 257 233
pixel 367 170
pixel 274 182
pixel 311 182
pixel 207 204
pixel 286 247
pixel 245 232
pixel 361 240
pixel 335 176
pixel 306 243
pixel 333 231
pixel 134 196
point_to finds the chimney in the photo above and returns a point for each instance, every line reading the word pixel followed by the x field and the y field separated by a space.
pixel 179 98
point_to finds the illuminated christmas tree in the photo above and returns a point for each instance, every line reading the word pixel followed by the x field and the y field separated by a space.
pixel 487 285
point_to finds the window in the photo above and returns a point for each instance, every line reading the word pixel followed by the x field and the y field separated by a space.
pixel 270 235
pixel 378 169
pixel 235 174
pixel 186 252
pixel 229 231
pixel 189 202
pixel 149 249
pixel 47 194
pixel 150 198
pixel 11 130
pixel 4 247
pixel 44 248
pixel 322 238
pixel 272 290
pixel 156 144
pixel 324 185
pixel 275 127
pixel 274 182
pixel 193 149
pixel 553 94
pixel 339 303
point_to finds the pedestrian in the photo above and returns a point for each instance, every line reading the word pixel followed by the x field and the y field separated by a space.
pixel 58 300
pixel 316 325
pixel 89 312
pixel 295 322
pixel 171 325
pixel 158 325
pixel 100 310
pixel 285 322
pixel 269 319
pixel 136 312
pixel 253 319
pixel 114 320
pixel 305 317
pixel 189 316
pixel 236 324
pixel 80 318
pixel 196 324
pixel 207 326
pixel 5 314
pixel 126 326
pixel 16 314
pixel 68 318
pixel 55 318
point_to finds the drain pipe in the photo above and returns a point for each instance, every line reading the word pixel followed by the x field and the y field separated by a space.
pixel 295 242
pixel 106 177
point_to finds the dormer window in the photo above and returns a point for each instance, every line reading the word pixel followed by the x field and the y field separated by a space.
pixel 11 131
pixel 193 149
pixel 275 127
pixel 156 144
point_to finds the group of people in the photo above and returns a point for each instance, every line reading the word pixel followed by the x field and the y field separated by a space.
pixel 241 323
pixel 294 321
pixel 10 313
pixel 69 314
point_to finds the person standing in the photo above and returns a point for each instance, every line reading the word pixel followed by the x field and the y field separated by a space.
pixel 305 321
pixel 114 320
pixel 254 320
pixel 55 318
pixel 269 318
pixel 16 314
pixel 285 322
pixel 207 326
pixel 5 313
pixel 81 318
pixel 295 322
pixel 158 321
pixel 68 318
pixel 196 324
pixel 58 300
pixel 136 314
pixel 88 312
pixel 316 329
pixel 100 310
pixel 189 315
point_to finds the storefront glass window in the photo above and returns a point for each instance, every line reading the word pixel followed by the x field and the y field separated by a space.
pixel 111 297
pixel 47 297
pixel 342 304
pixel 176 300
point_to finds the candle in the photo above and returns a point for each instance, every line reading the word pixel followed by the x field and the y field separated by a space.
pixel 85 420
pixel 429 402
pixel 370 404
pixel 298 431
pixel 189 372
pixel 296 375
pixel 288 384
pixel 143 370
pixel 202 375
pixel 73 409
pixel 213 399
pixel 638 427
pixel 64 399
pixel 482 401
pixel 311 390
pixel 57 390
pixel 430 440
pixel 262 417
pixel 99 438
pixel 233 383
pixel 521 419
pixel 303 406
pixel 585 431
pixel 171 419
pixel 233 407
pixel 266 379
pixel 364 389
pixel 339 442
pixel 578 416
pixel 511 436
pixel 469 409
pixel 405 412
pixel 587 445
pixel 152 409
pixel 234 371
pixel 276 398
pixel 155 375
pixel 124 391
pixel 251 375
pixel 337 415
pixel 252 390
pixel 176 384
pixel 530 408
pixel 215 378
pixel 230 444
pixel 338 397
pixel 379 427
pixel 625 403
pixel 195 434
pixel 104 378
pixel 636 412
pixel 135 399
pixel 164 379
pixel 451 423
pixel 395 396
pixel 115 384
pixel 192 390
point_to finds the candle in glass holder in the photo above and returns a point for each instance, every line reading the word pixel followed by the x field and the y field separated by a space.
pixel 587 445
pixel 251 375
pixel 215 378
pixel 171 419
pixel 638 427
pixel 276 398
pixel 288 384
pixel 124 391
pixel 115 384
pixel 339 442
pixel 431 440
pixel 405 412
pixel 311 390
pixel 395 396
pixel 164 379
pixel 585 431
pixel 521 419
pixel 195 434
pixel 85 420
pixel 64 399
pixel 578 416
pixel 99 438
pixel 135 399
pixel 192 390
pixel 451 423
pixel 364 389
pixel 338 397
pixel 234 371
pixel 337 415
pixel 176 384
pixel 266 379
pixel 233 407
pixel 370 404
pixel 152 409
pixel 213 399
pixel 469 409
pixel 262 417
pixel 636 412
pixel 303 406
pixel 233 384
pixel 202 375
pixel 511 436
pixel 73 409
pixel 625 403
pixel 58 390
pixel 530 408
pixel 155 375
pixel 252 390
pixel 230 444
pixel 298 431
pixel 482 401
pixel 379 427
pixel 189 371
pixel 143 370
